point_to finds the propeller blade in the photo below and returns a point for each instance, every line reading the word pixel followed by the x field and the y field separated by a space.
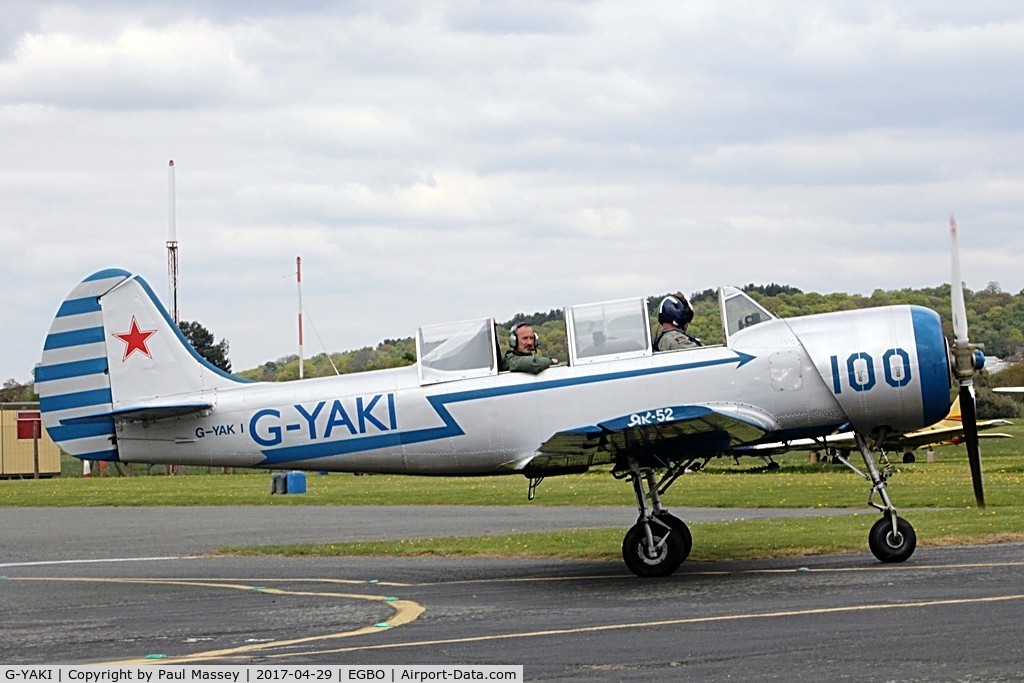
pixel 957 288
pixel 970 420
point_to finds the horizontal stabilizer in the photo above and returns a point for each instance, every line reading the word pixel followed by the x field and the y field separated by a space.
pixel 148 413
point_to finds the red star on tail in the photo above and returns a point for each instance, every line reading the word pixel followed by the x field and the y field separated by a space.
pixel 135 340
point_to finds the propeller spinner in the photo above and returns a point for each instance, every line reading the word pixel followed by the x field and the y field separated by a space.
pixel 968 358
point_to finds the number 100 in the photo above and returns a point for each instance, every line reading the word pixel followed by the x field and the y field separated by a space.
pixel 860 370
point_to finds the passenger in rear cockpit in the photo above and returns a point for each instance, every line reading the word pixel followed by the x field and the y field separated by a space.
pixel 674 315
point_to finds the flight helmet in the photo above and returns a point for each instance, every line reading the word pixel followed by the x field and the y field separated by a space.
pixel 676 310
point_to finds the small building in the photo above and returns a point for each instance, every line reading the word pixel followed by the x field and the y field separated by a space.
pixel 24 443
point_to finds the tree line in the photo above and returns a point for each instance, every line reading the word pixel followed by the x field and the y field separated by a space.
pixel 996 320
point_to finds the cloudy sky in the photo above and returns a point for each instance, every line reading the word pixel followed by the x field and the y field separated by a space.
pixel 438 161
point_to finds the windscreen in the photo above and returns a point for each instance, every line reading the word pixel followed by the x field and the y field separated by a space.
pixel 456 350
pixel 739 311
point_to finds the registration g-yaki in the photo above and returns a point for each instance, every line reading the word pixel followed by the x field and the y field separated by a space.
pixel 118 382
pixel 29 674
pixel 309 423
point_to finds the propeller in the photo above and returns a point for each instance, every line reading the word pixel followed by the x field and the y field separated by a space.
pixel 968 358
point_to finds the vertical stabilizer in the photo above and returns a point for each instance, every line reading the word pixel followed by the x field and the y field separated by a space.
pixel 113 351
pixel 150 360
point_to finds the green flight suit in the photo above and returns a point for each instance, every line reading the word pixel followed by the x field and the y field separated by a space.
pixel 531 363
pixel 672 340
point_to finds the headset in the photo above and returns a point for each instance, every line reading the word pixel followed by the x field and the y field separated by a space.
pixel 513 340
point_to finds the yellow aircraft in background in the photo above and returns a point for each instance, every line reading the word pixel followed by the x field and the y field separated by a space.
pixel 947 431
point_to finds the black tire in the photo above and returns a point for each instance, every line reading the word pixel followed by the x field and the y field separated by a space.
pixel 892 547
pixel 909 457
pixel 665 557
pixel 679 529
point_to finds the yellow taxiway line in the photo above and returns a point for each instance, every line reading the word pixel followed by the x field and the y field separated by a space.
pixel 406 611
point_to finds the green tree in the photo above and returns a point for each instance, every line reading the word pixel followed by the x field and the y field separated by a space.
pixel 991 406
pixel 201 340
pixel 14 392
pixel 996 320
pixel 1012 376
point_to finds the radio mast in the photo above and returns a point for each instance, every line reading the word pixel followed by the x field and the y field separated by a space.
pixel 172 244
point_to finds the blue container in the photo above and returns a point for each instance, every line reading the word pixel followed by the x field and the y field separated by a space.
pixel 295 482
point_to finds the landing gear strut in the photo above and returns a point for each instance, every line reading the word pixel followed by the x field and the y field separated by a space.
pixel 659 541
pixel 892 538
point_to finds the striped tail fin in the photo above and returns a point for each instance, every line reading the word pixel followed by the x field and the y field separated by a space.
pixel 114 354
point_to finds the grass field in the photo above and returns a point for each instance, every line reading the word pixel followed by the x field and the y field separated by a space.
pixel 940 494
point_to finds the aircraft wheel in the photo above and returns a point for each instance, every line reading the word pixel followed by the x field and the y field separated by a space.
pixel 679 529
pixel 909 457
pixel 889 546
pixel 661 560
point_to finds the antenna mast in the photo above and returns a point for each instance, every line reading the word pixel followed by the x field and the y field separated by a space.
pixel 172 244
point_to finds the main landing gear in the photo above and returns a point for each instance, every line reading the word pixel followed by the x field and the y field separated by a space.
pixel 659 541
pixel 892 538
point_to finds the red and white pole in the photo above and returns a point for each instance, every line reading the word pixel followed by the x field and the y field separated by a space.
pixel 298 280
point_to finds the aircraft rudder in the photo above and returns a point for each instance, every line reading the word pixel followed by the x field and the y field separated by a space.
pixel 72 378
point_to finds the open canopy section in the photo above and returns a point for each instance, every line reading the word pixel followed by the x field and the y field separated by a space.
pixel 452 351
pixel 611 330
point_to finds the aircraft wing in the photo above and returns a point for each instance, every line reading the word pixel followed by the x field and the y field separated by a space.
pixel 670 434
pixel 946 435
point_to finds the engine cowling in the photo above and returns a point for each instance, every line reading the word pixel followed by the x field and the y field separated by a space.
pixel 888 367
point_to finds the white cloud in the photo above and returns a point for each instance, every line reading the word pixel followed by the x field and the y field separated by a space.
pixel 175 67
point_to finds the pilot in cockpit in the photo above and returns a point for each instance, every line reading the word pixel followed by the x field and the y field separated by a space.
pixel 674 315
pixel 522 355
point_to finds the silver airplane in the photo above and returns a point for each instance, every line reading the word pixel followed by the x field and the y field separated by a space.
pixel 118 382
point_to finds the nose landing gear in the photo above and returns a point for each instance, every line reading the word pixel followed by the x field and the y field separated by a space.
pixel 889 543
pixel 892 538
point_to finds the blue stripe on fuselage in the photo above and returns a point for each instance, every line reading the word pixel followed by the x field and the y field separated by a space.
pixel 451 428
pixel 933 361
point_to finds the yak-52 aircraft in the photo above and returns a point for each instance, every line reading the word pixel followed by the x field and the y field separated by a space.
pixel 118 382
